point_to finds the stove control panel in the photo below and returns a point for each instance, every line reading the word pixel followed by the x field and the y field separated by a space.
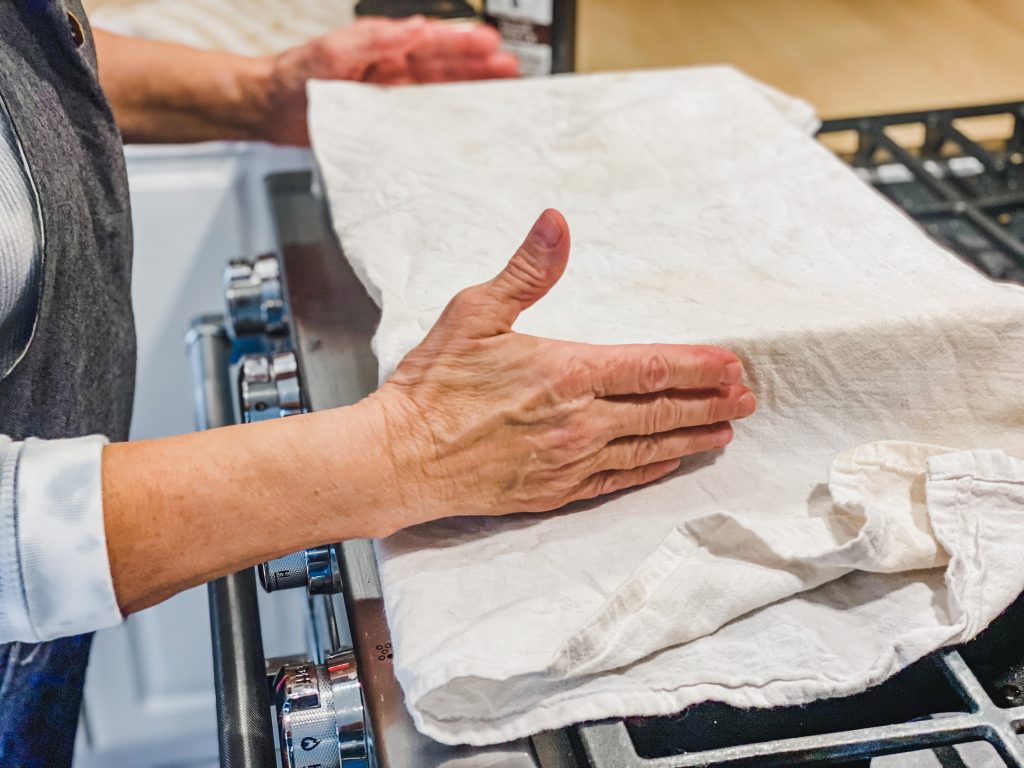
pixel 320 714
pixel 269 387
pixel 255 297
pixel 315 569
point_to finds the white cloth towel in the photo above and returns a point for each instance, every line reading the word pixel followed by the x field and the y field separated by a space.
pixel 249 27
pixel 702 211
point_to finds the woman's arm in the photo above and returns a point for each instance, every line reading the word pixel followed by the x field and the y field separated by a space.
pixel 477 420
pixel 164 92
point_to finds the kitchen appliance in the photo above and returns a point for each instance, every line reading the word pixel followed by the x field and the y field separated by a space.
pixel 440 9
pixel 542 33
pixel 297 337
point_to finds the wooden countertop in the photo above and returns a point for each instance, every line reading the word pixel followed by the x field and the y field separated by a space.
pixel 847 57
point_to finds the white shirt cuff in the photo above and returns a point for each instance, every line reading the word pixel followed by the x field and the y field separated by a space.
pixel 62 543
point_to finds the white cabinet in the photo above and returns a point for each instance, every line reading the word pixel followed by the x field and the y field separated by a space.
pixel 149 691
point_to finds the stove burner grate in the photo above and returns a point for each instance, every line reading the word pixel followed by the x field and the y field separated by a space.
pixel 967 193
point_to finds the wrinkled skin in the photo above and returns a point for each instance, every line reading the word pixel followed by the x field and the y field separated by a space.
pixel 483 420
pixel 381 52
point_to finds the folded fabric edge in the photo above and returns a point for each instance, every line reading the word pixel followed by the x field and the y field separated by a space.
pixel 572 708
pixel 958 516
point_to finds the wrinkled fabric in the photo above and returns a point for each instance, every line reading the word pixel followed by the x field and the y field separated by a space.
pixel 808 558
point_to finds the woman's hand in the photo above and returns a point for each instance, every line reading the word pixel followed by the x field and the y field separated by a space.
pixel 483 420
pixel 380 51
pixel 477 420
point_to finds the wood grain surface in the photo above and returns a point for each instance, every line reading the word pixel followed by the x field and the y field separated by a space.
pixel 847 57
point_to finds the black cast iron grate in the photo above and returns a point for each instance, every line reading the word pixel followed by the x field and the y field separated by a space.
pixel 969 196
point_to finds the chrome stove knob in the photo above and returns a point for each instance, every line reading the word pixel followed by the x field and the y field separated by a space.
pixel 320 714
pixel 269 387
pixel 316 569
pixel 254 296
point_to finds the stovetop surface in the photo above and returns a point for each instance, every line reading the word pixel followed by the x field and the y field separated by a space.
pixel 955 708
pixel 925 691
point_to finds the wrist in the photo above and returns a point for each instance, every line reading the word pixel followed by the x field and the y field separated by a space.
pixel 249 101
pixel 403 441
pixel 353 469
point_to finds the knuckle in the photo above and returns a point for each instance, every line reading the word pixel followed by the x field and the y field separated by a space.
pixel 663 414
pixel 713 362
pixel 645 451
pixel 465 298
pixel 574 375
pixel 542 484
pixel 575 439
pixel 465 304
pixel 591 487
pixel 656 372
pixel 653 416
pixel 553 450
pixel 713 408
pixel 672 414
pixel 525 271
pixel 704 363
pixel 603 483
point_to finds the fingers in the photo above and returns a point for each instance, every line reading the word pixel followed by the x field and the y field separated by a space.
pixel 641 450
pixel 374 37
pixel 457 40
pixel 503 64
pixel 450 52
pixel 674 409
pixel 417 50
pixel 632 369
pixel 392 52
pixel 454 68
pixel 618 480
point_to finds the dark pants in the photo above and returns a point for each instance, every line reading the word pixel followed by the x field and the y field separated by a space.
pixel 40 696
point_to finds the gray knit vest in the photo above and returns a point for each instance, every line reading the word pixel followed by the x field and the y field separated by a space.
pixel 77 374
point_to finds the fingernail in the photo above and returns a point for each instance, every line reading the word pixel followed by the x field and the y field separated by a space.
pixel 747 404
pixel 733 373
pixel 723 436
pixel 546 232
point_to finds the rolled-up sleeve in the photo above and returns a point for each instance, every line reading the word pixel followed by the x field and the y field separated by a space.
pixel 54 570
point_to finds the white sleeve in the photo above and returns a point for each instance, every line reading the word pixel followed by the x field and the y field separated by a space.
pixel 54 572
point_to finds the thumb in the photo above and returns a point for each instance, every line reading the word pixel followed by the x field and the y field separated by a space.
pixel 532 271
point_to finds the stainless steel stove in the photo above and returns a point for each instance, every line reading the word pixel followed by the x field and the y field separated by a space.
pixel 296 337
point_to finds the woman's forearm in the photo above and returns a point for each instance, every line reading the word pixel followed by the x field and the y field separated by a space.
pixel 164 92
pixel 182 510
